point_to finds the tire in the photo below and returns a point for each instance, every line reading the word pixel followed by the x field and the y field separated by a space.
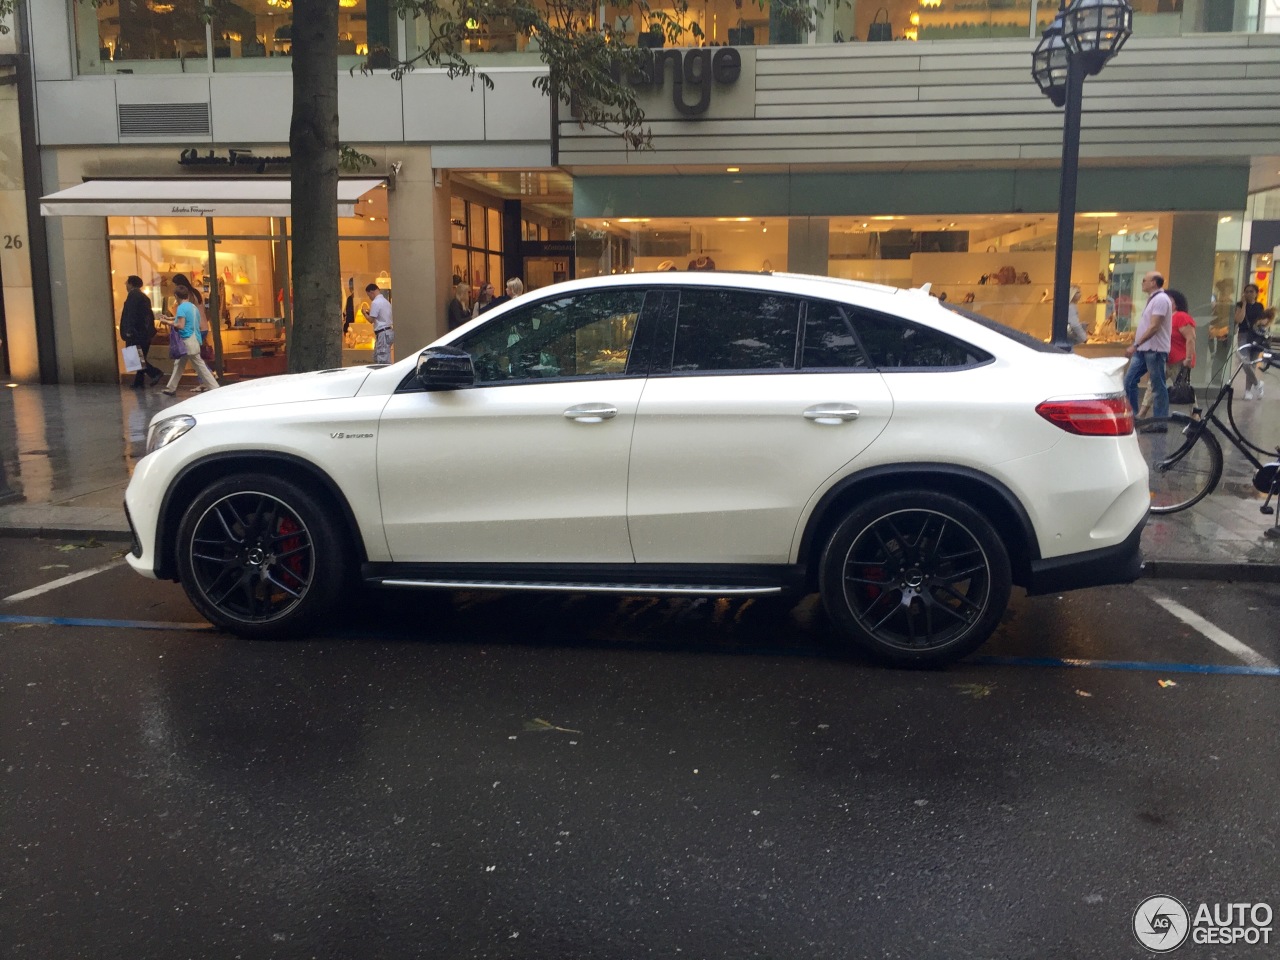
pixel 260 557
pixel 915 578
pixel 1183 471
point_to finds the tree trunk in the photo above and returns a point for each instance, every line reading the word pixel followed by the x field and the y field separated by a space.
pixel 315 337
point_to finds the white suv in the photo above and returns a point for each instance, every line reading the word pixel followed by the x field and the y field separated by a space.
pixel 713 433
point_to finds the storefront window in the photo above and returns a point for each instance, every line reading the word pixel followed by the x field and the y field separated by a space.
pixel 131 36
pixel 476 231
pixel 256 35
pixel 149 36
pixel 999 265
pixel 708 243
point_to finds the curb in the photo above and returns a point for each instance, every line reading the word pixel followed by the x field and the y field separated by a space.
pixel 1203 570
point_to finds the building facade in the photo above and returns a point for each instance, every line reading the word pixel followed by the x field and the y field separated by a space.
pixel 920 152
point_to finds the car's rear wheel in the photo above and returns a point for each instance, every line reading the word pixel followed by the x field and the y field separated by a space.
pixel 915 578
pixel 259 556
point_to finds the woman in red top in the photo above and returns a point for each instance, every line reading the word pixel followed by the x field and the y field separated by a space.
pixel 1182 348
pixel 1182 344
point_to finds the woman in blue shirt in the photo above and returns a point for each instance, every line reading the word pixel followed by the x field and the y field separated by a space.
pixel 186 321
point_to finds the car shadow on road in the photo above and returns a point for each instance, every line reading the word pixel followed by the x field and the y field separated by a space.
pixel 774 626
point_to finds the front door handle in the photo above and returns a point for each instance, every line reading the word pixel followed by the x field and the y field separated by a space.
pixel 591 412
pixel 831 414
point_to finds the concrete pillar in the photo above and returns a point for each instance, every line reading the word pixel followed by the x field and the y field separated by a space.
pixel 420 248
pixel 808 245
pixel 15 248
pixel 1184 254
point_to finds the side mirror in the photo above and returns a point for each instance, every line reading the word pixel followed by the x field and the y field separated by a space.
pixel 445 368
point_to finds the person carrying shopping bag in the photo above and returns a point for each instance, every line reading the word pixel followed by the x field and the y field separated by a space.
pixel 186 321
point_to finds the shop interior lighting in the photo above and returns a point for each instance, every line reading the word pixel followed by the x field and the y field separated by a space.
pixel 12 386
pixel 1099 215
pixel 1224 219
pixel 732 169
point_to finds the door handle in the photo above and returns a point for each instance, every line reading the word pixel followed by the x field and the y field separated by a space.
pixel 591 412
pixel 831 414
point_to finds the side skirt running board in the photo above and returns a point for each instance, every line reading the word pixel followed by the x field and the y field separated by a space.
pixel 651 589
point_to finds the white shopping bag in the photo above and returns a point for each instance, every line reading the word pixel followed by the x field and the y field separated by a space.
pixel 132 359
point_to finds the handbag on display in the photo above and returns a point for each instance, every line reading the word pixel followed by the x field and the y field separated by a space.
pixel 1181 390
pixel 132 358
pixel 880 29
pixel 177 346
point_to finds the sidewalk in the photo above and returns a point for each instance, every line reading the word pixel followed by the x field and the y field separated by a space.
pixel 66 453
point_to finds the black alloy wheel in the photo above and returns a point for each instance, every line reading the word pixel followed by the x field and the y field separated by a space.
pixel 258 556
pixel 917 578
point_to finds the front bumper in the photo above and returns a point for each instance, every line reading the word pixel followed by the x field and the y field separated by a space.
pixel 1119 563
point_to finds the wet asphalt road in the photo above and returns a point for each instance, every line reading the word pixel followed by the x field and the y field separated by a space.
pixel 452 776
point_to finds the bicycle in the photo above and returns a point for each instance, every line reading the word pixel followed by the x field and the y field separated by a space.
pixel 1185 458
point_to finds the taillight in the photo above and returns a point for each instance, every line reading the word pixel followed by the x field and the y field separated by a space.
pixel 1090 416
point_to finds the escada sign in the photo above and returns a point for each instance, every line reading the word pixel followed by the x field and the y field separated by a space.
pixel 697 68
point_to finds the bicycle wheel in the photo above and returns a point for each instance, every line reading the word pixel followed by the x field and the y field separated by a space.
pixel 1184 458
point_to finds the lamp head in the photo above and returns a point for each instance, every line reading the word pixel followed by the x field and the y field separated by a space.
pixel 1094 30
pixel 1049 62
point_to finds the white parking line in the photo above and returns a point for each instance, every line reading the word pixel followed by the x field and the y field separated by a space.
pixel 1219 636
pixel 60 582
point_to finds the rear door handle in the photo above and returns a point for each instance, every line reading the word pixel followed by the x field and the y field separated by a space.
pixel 831 414
pixel 591 412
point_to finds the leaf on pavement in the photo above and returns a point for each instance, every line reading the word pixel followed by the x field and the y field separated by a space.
pixel 538 725
pixel 975 690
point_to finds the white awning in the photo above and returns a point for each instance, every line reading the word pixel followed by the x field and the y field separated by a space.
pixel 225 197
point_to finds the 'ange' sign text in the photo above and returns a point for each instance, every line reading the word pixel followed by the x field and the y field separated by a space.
pixel 697 68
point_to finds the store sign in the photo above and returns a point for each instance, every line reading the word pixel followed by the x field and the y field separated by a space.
pixel 191 157
pixel 697 68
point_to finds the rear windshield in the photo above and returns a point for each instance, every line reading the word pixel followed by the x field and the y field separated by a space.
pixel 1015 335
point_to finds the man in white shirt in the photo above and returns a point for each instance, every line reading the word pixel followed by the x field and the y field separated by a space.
pixel 379 314
pixel 1150 348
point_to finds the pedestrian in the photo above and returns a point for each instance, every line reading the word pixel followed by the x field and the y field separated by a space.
pixel 458 311
pixel 1150 347
pixel 196 298
pixel 138 329
pixel 484 300
pixel 1248 313
pixel 349 308
pixel 1182 346
pixel 379 314
pixel 1076 331
pixel 186 320
pixel 515 287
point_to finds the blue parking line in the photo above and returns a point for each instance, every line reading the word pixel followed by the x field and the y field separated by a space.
pixel 1229 669
pixel 96 622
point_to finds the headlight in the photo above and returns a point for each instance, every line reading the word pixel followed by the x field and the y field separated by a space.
pixel 166 431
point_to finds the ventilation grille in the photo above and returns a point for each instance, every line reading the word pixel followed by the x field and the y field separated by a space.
pixel 163 119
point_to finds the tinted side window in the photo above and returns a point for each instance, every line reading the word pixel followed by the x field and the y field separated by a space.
pixel 583 335
pixel 828 339
pixel 734 330
pixel 892 343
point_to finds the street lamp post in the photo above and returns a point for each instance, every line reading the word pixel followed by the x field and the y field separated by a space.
pixel 1082 38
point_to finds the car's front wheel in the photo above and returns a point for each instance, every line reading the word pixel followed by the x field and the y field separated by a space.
pixel 259 556
pixel 915 578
